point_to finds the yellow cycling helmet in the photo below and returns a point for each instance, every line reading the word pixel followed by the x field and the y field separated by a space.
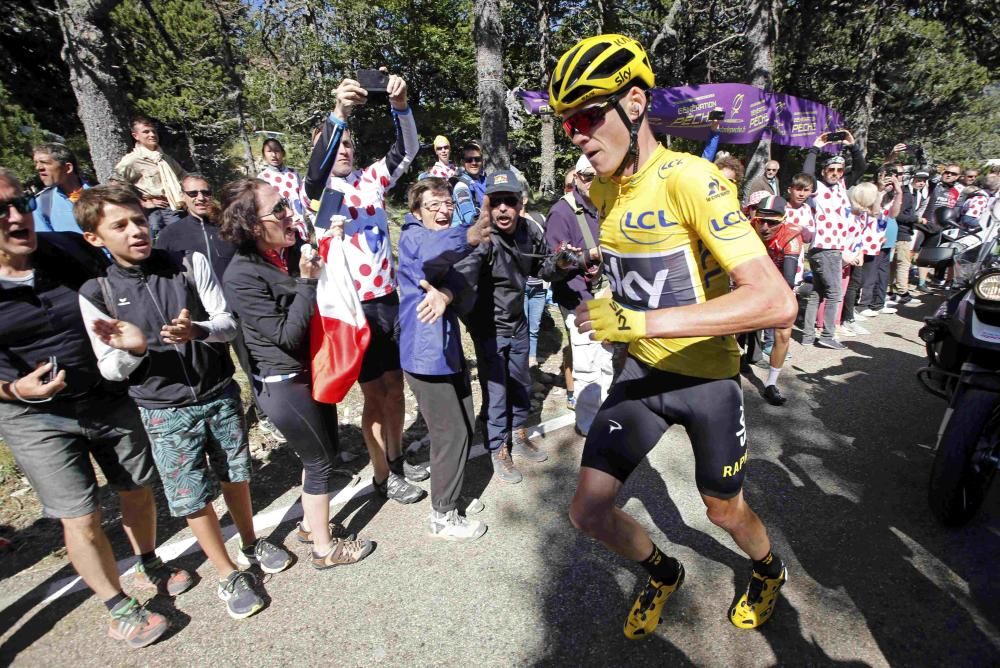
pixel 596 66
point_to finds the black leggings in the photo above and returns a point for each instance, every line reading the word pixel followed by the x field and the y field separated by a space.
pixel 309 426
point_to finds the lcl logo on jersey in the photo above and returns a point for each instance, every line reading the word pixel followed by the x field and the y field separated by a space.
pixel 646 227
pixel 729 228
pixel 662 170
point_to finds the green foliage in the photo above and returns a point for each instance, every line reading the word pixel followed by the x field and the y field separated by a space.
pixel 19 131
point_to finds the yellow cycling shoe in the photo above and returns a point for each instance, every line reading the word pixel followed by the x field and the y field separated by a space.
pixel 645 614
pixel 757 603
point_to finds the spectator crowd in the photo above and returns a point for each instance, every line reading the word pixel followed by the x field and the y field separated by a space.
pixel 125 304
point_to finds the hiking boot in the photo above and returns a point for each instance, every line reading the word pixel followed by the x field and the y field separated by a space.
pixel 468 505
pixel 337 530
pixel 522 446
pixel 237 592
pixel 757 603
pixel 343 553
pixel 159 578
pixel 773 396
pixel 396 488
pixel 453 526
pixel 270 557
pixel 136 625
pixel 645 614
pixel 831 343
pixel 503 467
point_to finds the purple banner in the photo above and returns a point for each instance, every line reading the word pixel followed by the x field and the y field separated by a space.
pixel 751 113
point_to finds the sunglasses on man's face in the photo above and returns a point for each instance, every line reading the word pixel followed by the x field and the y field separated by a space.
pixel 771 170
pixel 767 222
pixel 474 160
pixel 506 200
pixel 586 177
pixel 443 147
pixel 279 209
pixel 22 204
pixel 194 193
pixel 585 120
pixel 953 173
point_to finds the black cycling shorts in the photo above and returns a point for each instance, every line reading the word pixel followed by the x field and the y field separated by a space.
pixel 382 354
pixel 644 402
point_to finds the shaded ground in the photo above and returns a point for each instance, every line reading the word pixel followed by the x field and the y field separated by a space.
pixel 839 476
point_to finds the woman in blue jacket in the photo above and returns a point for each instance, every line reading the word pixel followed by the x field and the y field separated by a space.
pixel 431 348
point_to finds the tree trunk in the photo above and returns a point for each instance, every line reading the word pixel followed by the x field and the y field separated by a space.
pixel 492 93
pixel 102 110
pixel 547 186
pixel 229 61
pixel 761 36
pixel 865 113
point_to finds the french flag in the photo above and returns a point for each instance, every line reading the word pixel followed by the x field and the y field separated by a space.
pixel 339 334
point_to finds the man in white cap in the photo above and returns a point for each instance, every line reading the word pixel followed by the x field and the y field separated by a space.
pixel 572 227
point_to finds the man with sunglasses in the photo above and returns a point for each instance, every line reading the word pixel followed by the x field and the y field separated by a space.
pixel 833 212
pixel 443 168
pixel 198 231
pixel 673 239
pixel 498 325
pixel 766 182
pixel 473 173
pixel 57 414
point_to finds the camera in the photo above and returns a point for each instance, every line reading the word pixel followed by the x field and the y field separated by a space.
pixel 569 260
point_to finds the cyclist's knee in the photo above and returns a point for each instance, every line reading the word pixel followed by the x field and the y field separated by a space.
pixel 588 517
pixel 725 513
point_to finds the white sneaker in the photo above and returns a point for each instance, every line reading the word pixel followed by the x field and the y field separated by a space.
pixel 858 316
pixel 452 526
pixel 870 313
pixel 845 329
pixel 888 309
pixel 889 301
pixel 858 329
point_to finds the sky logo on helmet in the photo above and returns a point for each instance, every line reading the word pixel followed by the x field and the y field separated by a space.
pixel 623 76
pixel 730 227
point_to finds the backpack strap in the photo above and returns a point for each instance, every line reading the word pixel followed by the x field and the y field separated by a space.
pixel 581 220
pixel 106 294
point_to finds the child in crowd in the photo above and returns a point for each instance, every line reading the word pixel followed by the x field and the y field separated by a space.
pixel 161 323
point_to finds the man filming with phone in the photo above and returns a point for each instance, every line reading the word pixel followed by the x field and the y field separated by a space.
pixel 359 196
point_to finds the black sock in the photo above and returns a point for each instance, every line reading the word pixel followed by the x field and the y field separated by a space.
pixel 770 565
pixel 148 558
pixel 113 602
pixel 249 547
pixel 661 567
pixel 395 465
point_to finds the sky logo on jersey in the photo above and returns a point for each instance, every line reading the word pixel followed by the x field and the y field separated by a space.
pixel 733 225
pixel 646 227
pixel 652 281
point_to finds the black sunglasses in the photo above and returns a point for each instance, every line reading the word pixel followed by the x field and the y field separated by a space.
pixel 279 208
pixel 194 193
pixel 953 173
pixel 508 200
pixel 472 160
pixel 22 204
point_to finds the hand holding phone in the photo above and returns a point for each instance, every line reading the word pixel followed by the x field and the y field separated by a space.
pixel 833 137
pixel 716 114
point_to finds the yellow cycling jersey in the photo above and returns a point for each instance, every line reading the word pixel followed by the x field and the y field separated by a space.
pixel 670 234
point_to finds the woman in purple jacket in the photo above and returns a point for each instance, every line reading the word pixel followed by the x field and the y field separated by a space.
pixel 431 348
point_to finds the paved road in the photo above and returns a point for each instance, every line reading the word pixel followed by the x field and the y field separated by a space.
pixel 838 475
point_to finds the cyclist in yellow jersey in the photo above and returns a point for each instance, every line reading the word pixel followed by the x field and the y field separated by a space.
pixel 672 240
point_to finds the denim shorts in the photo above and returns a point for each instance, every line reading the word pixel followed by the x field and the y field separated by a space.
pixel 187 440
pixel 53 442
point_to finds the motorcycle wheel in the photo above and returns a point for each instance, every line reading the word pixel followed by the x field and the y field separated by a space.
pixel 964 463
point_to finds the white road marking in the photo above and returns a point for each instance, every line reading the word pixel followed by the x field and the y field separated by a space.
pixel 271 518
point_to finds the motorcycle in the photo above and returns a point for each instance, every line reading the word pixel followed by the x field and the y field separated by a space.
pixel 963 354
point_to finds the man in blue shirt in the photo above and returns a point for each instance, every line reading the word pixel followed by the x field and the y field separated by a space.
pixel 57 168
